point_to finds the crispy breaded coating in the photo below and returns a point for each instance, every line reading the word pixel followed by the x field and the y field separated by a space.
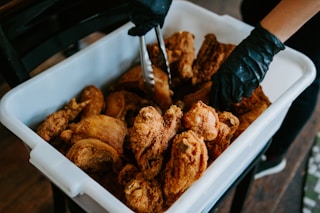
pixel 150 136
pixel 203 120
pixel 53 125
pixel 58 121
pixel 250 108
pixel 128 172
pixel 73 108
pixel 142 195
pixel 201 94
pixel 133 81
pixel 211 55
pixel 124 105
pixel 96 98
pixel 228 124
pixel 93 155
pixel 180 52
pixel 109 130
pixel 188 162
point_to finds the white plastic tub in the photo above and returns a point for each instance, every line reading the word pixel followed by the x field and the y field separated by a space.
pixel 25 106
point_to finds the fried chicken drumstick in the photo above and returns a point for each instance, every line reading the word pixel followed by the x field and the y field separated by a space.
pixel 188 162
pixel 150 136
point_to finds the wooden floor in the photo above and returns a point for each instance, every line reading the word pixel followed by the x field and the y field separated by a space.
pixel 24 189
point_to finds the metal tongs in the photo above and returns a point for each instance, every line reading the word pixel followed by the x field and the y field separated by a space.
pixel 146 66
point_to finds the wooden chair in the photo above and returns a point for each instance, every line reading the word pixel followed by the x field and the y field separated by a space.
pixel 32 31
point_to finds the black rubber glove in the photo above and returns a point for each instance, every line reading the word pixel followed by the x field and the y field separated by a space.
pixel 244 69
pixel 147 14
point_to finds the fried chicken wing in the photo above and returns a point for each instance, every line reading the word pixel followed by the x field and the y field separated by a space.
pixel 110 130
pixel 133 81
pixel 58 121
pixel 201 94
pixel 250 108
pixel 150 136
pixel 147 126
pixel 124 105
pixel 211 55
pixel 127 173
pixel 142 195
pixel 96 104
pixel 203 120
pixel 228 124
pixel 180 52
pixel 93 155
pixel 188 162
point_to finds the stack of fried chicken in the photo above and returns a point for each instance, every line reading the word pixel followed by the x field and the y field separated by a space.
pixel 149 151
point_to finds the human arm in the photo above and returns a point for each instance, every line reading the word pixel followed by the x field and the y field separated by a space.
pixel 289 16
pixel 246 67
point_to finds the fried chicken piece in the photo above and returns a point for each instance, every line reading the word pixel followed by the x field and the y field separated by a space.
pixel 147 126
pixel 133 81
pixel 150 136
pixel 142 195
pixel 258 97
pixel 250 108
pixel 188 162
pixel 124 105
pixel 93 155
pixel 73 108
pixel 228 124
pixel 203 120
pixel 109 130
pixel 109 180
pixel 249 117
pixel 58 121
pixel 180 52
pixel 127 173
pixel 211 55
pixel 201 94
pixel 96 98
pixel 53 125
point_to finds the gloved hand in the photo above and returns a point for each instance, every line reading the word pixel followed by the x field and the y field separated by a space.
pixel 244 69
pixel 147 14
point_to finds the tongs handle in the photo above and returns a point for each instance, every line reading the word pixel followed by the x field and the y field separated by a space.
pixel 164 65
pixel 146 66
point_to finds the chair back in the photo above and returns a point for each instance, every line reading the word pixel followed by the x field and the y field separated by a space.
pixel 31 34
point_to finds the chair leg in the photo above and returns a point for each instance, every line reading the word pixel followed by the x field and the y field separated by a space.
pixel 241 191
pixel 62 203
pixel 243 186
pixel 59 203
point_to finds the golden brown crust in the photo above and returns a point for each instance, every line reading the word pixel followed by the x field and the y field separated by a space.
pixel 133 81
pixel 211 55
pixel 93 155
pixel 201 94
pixel 110 130
pixel 150 136
pixel 188 162
pixel 58 121
pixel 180 52
pixel 228 124
pixel 96 104
pixel 203 120
pixel 249 109
pixel 142 195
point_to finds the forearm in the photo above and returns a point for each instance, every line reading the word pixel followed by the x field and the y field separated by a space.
pixel 288 16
